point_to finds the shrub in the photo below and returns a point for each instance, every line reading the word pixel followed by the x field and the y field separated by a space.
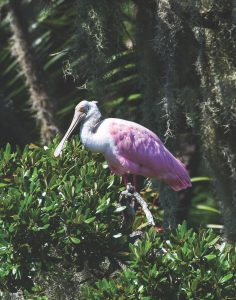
pixel 188 265
pixel 59 216
pixel 55 211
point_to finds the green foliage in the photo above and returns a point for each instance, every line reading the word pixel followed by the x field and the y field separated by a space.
pixel 188 265
pixel 203 205
pixel 59 214
pixel 54 211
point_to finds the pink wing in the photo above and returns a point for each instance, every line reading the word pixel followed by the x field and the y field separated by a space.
pixel 139 151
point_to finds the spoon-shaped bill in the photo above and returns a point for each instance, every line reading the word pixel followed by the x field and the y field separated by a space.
pixel 76 119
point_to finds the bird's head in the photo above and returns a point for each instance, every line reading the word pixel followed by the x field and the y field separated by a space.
pixel 84 110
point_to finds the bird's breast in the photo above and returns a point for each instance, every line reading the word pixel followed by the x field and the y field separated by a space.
pixel 95 145
pixel 96 142
pixel 106 138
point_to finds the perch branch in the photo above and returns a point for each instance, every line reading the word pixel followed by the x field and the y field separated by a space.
pixel 145 209
pixel 128 199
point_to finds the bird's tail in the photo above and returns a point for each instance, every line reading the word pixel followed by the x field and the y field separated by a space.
pixel 179 178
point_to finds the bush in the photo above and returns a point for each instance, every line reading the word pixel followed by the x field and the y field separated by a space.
pixel 59 216
pixel 188 265
pixel 55 211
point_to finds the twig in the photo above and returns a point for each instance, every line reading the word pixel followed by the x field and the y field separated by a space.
pixel 128 198
pixel 144 206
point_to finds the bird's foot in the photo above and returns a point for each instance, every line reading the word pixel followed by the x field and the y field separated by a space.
pixel 129 188
pixel 130 198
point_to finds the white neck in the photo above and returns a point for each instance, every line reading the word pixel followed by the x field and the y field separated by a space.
pixel 88 129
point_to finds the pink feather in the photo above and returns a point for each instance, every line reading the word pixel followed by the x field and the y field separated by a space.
pixel 139 151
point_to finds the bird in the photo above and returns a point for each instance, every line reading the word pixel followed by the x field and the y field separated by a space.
pixel 128 147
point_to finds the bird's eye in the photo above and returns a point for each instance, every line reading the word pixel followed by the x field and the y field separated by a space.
pixel 82 109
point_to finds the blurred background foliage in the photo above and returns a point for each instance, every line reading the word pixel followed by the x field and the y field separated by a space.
pixel 167 64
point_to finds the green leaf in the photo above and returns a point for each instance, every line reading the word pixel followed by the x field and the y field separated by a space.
pixel 210 257
pixel 7 154
pixel 119 209
pixel 214 241
pixel 90 220
pixel 194 284
pixel 143 225
pixel 116 236
pixel 208 208
pixel 75 240
pixel 111 181
pixel 3 184
pixel 140 289
pixel 46 226
pixel 218 226
pixel 198 179
pixel 226 278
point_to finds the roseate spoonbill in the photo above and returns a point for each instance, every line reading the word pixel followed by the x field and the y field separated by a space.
pixel 128 147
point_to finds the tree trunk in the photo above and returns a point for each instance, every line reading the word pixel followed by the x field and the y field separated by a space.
pixel 205 82
pixel 216 66
pixel 42 104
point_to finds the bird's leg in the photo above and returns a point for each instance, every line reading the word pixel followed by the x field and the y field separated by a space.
pixel 135 183
pixel 126 180
pixel 126 200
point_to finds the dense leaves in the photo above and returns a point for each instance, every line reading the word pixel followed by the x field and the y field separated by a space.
pixel 187 265
pixel 63 212
pixel 53 210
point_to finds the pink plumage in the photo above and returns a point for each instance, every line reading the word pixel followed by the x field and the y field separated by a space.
pixel 137 150
pixel 128 147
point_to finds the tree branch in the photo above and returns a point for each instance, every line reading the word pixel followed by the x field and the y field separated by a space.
pixel 129 198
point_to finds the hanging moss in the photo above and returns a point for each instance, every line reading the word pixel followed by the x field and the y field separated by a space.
pixel 216 68
pixel 41 101
pixel 98 34
pixel 213 108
